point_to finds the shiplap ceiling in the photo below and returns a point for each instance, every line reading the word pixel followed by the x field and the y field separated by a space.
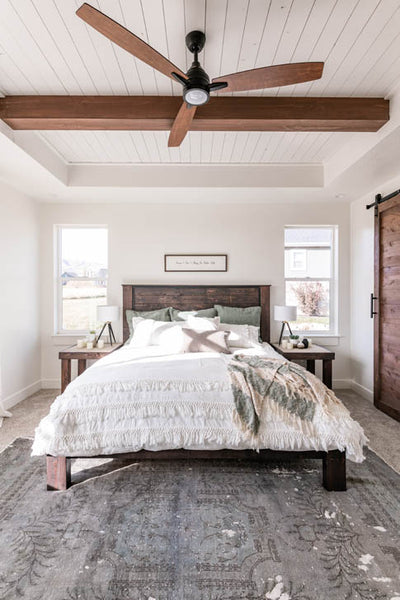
pixel 46 49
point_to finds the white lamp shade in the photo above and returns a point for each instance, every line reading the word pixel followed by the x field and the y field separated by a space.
pixel 107 313
pixel 285 313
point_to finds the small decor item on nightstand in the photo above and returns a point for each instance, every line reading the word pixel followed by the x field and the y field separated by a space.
pixel 294 339
pixel 107 314
pixel 304 341
pixel 285 314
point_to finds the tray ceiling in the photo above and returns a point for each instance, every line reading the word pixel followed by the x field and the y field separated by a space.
pixel 46 49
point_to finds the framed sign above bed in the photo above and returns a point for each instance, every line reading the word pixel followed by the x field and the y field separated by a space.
pixel 195 262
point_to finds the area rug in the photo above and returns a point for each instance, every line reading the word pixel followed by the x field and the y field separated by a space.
pixel 198 530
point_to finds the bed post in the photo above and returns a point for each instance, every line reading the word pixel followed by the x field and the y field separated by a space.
pixel 334 471
pixel 58 472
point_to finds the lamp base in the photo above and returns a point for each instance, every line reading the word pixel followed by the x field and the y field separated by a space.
pixel 110 333
pixel 284 323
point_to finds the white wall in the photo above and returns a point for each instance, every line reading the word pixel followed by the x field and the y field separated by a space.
pixel 19 297
pixel 139 235
pixel 362 284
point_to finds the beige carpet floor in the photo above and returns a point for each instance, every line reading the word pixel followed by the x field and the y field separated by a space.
pixel 382 431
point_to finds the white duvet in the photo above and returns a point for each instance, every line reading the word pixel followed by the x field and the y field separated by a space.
pixel 146 398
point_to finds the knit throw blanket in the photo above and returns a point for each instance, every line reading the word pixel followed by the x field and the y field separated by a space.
pixel 285 389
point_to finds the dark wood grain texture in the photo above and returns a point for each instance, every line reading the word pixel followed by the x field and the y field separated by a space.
pixel 311 366
pixel 197 297
pixel 58 472
pixel 65 373
pixel 220 114
pixel 82 355
pixel 333 462
pixel 387 320
pixel 127 40
pixel 81 365
pixel 334 471
pixel 181 125
pixel 272 76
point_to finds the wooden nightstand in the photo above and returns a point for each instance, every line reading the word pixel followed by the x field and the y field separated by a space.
pixel 311 355
pixel 81 355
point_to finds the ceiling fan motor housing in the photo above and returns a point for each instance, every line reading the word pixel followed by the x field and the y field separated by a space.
pixel 196 89
pixel 195 41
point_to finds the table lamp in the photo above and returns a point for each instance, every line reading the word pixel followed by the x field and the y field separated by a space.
pixel 285 314
pixel 106 314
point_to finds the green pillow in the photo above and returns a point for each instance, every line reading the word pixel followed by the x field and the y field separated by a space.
pixel 162 314
pixel 239 316
pixel 204 312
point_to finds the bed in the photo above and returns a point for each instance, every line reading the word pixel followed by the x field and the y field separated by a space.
pixel 114 374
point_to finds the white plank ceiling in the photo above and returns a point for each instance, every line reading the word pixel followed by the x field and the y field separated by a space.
pixel 46 49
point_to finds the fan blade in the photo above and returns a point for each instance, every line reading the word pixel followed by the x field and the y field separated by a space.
pixel 274 76
pixel 181 125
pixel 127 40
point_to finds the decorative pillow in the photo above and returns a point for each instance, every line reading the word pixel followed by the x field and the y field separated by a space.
pixel 239 316
pixel 201 323
pixel 205 341
pixel 241 336
pixel 148 332
pixel 182 315
pixel 162 314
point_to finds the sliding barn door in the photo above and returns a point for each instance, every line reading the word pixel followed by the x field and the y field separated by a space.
pixel 387 307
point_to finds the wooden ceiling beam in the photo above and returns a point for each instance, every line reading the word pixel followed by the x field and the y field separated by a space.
pixel 220 114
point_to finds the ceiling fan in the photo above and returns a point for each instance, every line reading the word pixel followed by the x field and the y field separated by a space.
pixel 196 83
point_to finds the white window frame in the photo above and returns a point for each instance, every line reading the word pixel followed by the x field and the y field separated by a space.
pixel 293 267
pixel 333 281
pixel 58 279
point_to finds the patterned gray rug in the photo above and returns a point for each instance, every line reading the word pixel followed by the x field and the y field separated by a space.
pixel 198 531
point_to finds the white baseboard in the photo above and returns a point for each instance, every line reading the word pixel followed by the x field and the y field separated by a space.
pixel 363 391
pixel 341 384
pixel 350 384
pixel 17 397
pixel 51 384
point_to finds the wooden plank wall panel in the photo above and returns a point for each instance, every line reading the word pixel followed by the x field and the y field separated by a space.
pixel 387 282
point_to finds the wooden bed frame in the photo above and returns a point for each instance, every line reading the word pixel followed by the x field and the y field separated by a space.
pixel 196 297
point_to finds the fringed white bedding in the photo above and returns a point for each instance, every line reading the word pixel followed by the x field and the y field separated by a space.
pixel 136 399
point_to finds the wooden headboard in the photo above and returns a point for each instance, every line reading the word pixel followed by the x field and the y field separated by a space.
pixel 196 297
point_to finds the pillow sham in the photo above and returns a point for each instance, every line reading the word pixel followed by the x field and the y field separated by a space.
pixel 241 336
pixel 201 323
pixel 250 315
pixel 182 315
pixel 161 314
pixel 204 341
pixel 148 332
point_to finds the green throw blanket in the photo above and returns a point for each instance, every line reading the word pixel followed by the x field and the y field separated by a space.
pixel 289 391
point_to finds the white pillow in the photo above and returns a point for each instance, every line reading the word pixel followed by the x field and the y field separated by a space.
pixel 148 332
pixel 202 323
pixel 241 336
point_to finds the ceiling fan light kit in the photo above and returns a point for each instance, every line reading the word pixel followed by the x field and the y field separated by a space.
pixel 196 82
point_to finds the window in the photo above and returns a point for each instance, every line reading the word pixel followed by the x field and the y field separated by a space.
pixel 310 277
pixel 82 274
